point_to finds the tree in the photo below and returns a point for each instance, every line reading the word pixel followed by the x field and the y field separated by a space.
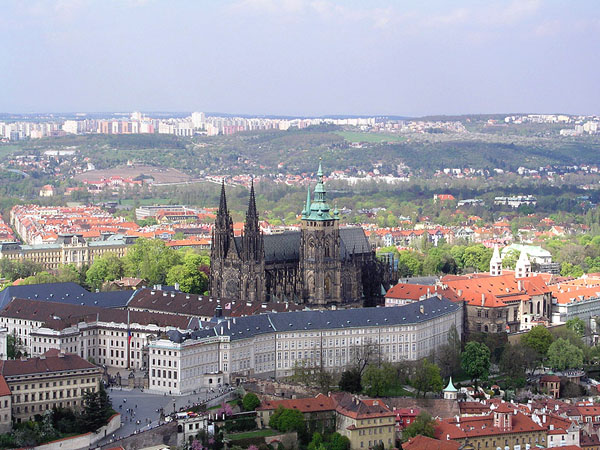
pixel 97 409
pixel 350 381
pixel 563 355
pixel 577 326
pixel 517 358
pixel 108 267
pixel 448 356
pixel 364 355
pixel 539 339
pixel 189 275
pixel 150 259
pixel 423 425
pixel 338 442
pixel 14 349
pixel 427 378
pixel 250 401
pixel 378 380
pixel 287 420
pixel 68 274
pixel 475 360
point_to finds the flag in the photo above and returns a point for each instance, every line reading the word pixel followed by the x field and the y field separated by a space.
pixel 129 336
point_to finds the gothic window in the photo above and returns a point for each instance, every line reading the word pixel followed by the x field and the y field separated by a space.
pixel 327 254
pixel 327 286
pixel 310 281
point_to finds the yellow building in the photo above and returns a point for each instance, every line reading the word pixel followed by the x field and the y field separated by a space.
pixel 68 249
pixel 54 380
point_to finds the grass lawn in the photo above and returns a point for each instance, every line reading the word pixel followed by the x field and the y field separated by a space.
pixel 356 136
pixel 252 434
pixel 398 391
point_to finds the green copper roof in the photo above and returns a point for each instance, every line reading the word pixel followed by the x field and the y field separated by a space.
pixel 450 387
pixel 318 209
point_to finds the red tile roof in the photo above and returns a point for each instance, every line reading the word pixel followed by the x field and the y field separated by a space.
pixel 58 363
pixel 426 443
pixel 305 405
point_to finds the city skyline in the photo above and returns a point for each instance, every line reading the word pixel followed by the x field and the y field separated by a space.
pixel 300 58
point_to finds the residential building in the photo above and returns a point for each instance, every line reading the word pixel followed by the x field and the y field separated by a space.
pixel 365 422
pixel 502 428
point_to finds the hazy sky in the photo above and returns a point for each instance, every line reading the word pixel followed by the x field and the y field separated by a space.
pixel 300 57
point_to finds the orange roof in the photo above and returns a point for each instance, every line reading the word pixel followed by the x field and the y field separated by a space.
pixel 494 291
pixel 319 403
pixel 410 291
pixel 565 293
pixel 4 389
pixel 421 442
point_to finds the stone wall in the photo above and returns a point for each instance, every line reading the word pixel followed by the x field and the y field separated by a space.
pixel 163 435
pixel 84 440
pixel 279 389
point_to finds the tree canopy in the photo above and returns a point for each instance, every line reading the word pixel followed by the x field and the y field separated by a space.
pixel 539 339
pixel 563 355
pixel 475 360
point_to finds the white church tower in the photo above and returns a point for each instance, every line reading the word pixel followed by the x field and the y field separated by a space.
pixel 523 267
pixel 496 263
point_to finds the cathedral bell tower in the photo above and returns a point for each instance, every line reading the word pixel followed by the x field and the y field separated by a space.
pixel 253 255
pixel 222 242
pixel 320 262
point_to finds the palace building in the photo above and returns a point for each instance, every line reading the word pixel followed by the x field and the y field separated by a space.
pixel 322 263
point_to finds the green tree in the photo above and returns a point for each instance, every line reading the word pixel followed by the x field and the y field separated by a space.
pixel 350 381
pixel 563 355
pixel 108 267
pixel 151 260
pixel 539 339
pixel 423 425
pixel 189 275
pixel 250 401
pixel 338 442
pixel 475 360
pixel 68 274
pixel 287 420
pixel 427 378
pixel 14 347
pixel 577 326
pixel 97 409
pixel 477 257
pixel 409 264
pixel 378 380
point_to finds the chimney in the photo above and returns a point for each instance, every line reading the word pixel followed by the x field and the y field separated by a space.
pixel 482 299
pixel 176 286
pixel 519 285
pixel 459 292
pixel 422 309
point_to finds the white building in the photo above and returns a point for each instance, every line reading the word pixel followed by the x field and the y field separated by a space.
pixel 274 344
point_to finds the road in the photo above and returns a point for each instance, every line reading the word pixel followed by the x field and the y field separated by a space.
pixel 135 405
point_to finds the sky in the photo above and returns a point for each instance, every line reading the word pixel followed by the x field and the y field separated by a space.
pixel 300 57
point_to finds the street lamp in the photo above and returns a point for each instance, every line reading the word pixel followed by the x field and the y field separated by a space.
pixel 173 405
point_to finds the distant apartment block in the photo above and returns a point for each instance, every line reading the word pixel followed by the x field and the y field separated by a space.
pixel 516 201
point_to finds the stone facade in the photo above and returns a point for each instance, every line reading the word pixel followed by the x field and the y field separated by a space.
pixel 321 264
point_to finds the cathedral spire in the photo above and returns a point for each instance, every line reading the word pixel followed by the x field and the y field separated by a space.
pixel 223 200
pixel 251 214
